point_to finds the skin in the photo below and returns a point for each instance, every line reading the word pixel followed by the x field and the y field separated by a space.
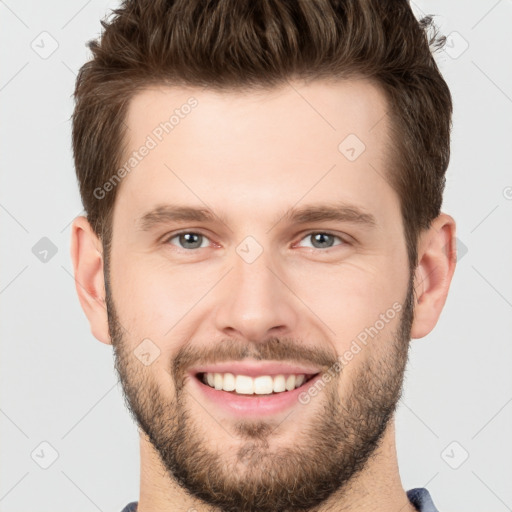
pixel 250 158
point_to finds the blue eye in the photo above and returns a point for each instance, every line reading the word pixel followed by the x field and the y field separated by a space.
pixel 322 240
pixel 189 240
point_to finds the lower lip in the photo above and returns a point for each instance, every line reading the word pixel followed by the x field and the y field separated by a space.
pixel 253 405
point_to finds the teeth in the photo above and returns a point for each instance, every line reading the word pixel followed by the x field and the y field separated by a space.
pixel 279 384
pixel 229 383
pixel 261 385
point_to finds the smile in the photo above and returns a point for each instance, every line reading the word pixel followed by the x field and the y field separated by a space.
pixel 251 388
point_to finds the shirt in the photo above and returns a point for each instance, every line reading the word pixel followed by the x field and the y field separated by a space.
pixel 419 497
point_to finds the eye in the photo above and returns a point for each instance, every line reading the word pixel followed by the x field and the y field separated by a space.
pixel 322 240
pixel 188 240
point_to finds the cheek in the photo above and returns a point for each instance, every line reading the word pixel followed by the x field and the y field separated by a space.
pixel 152 298
pixel 351 297
pixel 157 300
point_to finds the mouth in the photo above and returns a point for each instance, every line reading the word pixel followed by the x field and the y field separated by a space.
pixel 242 396
pixel 252 388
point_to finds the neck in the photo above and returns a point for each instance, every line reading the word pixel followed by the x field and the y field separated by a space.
pixel 377 488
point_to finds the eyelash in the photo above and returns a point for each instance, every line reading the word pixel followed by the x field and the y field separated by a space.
pixel 168 238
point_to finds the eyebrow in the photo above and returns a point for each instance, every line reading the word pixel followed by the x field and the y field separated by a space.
pixel 340 212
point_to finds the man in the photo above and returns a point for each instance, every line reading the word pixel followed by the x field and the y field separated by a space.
pixel 263 183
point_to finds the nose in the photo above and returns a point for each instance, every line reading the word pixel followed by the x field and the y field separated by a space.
pixel 256 301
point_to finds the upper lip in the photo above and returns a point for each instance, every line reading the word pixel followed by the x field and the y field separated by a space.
pixel 256 368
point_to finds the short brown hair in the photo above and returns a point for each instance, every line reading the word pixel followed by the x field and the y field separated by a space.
pixel 247 44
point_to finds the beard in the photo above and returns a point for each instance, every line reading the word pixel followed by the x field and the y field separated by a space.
pixel 337 440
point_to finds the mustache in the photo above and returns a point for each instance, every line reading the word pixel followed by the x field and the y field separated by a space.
pixel 272 349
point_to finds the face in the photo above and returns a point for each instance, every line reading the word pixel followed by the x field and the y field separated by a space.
pixel 258 294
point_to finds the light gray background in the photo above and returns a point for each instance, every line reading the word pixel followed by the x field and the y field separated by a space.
pixel 58 385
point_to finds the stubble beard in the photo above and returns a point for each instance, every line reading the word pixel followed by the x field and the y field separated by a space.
pixel 336 443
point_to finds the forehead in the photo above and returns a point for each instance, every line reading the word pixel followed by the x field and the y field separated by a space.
pixel 332 108
pixel 243 150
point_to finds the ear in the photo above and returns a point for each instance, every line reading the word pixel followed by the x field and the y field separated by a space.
pixel 87 257
pixel 437 258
